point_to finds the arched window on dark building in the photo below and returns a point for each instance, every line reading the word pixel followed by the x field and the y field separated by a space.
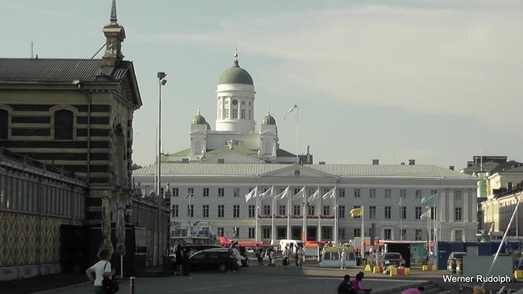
pixel 63 125
pixel 4 124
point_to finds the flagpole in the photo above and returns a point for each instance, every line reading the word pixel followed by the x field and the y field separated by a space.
pixel 289 204
pixel 256 206
pixel 272 219
pixel 297 134
pixel 316 212
pixel 304 220
pixel 335 217
pixel 362 231
pixel 318 231
pixel 401 220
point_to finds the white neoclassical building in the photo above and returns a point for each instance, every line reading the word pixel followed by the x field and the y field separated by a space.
pixel 216 200
pixel 208 181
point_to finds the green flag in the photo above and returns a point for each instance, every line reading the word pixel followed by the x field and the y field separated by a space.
pixel 429 200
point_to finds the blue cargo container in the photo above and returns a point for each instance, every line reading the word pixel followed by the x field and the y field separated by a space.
pixel 484 249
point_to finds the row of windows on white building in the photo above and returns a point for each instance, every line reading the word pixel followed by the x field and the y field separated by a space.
pixel 341 192
pixel 371 212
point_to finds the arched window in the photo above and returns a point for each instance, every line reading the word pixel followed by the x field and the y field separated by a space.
pixel 198 147
pixel 63 125
pixel 4 124
pixel 268 148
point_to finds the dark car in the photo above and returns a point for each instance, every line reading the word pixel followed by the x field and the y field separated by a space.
pixel 210 259
pixel 392 258
pixel 451 261
pixel 193 248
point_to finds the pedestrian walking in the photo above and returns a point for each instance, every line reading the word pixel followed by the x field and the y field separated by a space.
pixel 100 270
pixel 343 259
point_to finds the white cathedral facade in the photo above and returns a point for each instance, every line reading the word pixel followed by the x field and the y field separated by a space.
pixel 207 183
pixel 235 138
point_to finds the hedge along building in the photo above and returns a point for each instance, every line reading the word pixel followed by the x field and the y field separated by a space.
pixel 76 114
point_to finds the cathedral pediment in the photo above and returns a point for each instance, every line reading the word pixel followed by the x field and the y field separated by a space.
pixel 299 171
pixel 230 156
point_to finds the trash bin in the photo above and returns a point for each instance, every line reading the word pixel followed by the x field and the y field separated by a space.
pixel 167 265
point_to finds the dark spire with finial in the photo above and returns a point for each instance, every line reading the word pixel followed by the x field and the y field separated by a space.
pixel 114 19
pixel 115 35
pixel 236 63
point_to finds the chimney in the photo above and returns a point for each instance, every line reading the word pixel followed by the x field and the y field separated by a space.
pixel 451 167
pixel 412 161
pixel 375 162
pixel 322 162
pixel 221 160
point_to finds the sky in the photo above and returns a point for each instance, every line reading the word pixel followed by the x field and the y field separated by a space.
pixel 435 81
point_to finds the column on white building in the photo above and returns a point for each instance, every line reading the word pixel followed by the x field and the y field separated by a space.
pixel 466 200
pixel 451 207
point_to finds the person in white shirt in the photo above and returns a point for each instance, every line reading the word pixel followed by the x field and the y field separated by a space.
pixel 343 258
pixel 101 269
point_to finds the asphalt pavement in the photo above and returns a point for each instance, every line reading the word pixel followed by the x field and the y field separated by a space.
pixel 252 280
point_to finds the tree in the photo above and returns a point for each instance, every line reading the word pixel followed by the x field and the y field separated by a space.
pixel 135 166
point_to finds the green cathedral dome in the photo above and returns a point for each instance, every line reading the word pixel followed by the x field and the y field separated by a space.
pixel 236 75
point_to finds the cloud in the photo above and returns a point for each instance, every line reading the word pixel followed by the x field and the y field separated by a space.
pixel 446 60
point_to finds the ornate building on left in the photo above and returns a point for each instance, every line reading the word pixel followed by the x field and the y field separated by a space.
pixel 65 165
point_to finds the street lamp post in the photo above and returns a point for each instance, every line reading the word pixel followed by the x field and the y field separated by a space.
pixel 161 82
pixel 189 197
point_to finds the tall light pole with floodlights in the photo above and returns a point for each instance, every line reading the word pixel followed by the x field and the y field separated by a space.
pixel 161 82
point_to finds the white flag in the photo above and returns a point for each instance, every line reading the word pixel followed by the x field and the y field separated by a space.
pixel 251 194
pixel 329 194
pixel 400 203
pixel 269 192
pixel 300 193
pixel 294 107
pixel 313 197
pixel 425 215
pixel 283 194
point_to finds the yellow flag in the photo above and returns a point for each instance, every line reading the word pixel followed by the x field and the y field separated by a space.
pixel 356 212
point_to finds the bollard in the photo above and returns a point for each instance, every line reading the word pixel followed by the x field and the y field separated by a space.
pixel 131 285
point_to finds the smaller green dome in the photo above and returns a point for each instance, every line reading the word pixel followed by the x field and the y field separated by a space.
pixel 208 126
pixel 199 119
pixel 268 119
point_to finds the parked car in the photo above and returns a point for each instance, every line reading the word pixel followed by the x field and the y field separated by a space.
pixel 193 248
pixel 451 261
pixel 210 259
pixel 392 258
